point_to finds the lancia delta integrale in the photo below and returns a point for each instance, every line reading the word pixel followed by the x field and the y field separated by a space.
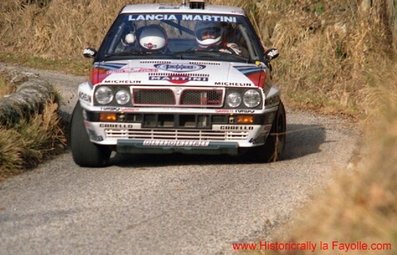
pixel 188 78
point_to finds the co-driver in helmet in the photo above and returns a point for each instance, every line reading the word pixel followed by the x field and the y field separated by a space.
pixel 211 36
pixel 149 39
pixel 153 39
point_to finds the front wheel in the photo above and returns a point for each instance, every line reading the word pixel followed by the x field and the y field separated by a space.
pixel 272 149
pixel 84 152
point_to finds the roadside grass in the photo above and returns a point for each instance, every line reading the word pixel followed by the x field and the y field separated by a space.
pixel 306 101
pixel 361 202
pixel 328 49
pixel 30 142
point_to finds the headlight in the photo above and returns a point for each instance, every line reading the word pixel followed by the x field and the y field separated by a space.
pixel 233 100
pixel 252 98
pixel 104 95
pixel 122 97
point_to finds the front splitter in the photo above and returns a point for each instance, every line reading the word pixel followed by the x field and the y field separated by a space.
pixel 142 147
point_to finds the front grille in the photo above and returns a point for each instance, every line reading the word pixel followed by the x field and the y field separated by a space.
pixel 176 96
pixel 202 97
pixel 176 134
pixel 153 97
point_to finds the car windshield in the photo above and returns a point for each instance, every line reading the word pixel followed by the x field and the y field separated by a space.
pixel 181 36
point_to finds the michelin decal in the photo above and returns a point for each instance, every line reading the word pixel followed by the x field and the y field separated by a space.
pixel 178 78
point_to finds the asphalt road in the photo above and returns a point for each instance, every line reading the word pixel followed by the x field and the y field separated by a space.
pixel 167 204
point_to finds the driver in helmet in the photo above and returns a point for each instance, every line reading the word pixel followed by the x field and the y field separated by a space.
pixel 210 36
pixel 153 39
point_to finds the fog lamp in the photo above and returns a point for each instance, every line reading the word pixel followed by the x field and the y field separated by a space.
pixel 107 117
pixel 245 119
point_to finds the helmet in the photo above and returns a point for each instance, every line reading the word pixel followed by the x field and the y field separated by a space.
pixel 128 39
pixel 153 37
pixel 129 36
pixel 208 33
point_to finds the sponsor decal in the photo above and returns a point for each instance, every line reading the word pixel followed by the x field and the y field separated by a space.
pixel 233 84
pixel 101 71
pixel 248 69
pixel 84 96
pixel 175 143
pixel 94 137
pixel 177 78
pixel 133 70
pixel 121 82
pixel 256 74
pixel 179 67
pixel 258 140
pixel 252 140
pixel 150 46
pixel 120 125
pixel 181 17
pixel 109 66
pixel 110 109
pixel 223 111
pixel 234 127
pixel 129 109
pixel 244 111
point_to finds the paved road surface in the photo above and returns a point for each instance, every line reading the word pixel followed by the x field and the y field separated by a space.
pixel 167 204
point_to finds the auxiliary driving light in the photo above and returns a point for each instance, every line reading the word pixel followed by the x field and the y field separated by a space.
pixel 245 119
pixel 107 117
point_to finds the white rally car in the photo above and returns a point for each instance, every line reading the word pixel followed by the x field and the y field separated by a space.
pixel 189 78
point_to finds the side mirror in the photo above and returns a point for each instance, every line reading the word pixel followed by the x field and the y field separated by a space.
pixel 271 54
pixel 89 52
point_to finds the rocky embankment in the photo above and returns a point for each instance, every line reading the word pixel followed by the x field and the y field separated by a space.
pixel 32 93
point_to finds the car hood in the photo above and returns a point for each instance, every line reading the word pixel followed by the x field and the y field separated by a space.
pixel 178 72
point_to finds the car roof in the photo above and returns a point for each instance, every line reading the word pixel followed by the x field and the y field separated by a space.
pixel 167 8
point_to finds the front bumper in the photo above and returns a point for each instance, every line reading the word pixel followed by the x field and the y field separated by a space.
pixel 140 134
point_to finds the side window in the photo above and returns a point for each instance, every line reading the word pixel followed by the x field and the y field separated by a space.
pixel 233 35
pixel 125 39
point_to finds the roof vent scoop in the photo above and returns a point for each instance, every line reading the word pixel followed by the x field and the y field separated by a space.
pixel 197 4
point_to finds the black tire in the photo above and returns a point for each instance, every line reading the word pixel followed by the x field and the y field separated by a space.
pixel 84 152
pixel 273 148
